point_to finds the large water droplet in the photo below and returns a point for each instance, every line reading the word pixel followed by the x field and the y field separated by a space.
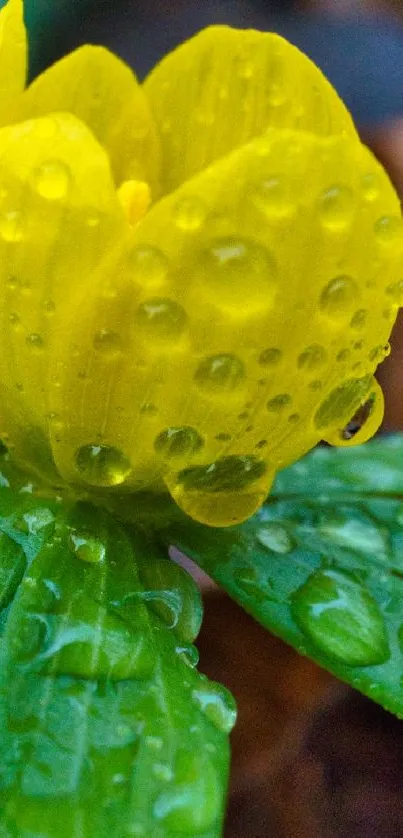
pixel 353 530
pixel 220 374
pixel 102 465
pixel 340 616
pixel 238 275
pixel 11 227
pixel 312 357
pixel 189 214
pixel 148 264
pixel 221 493
pixel 178 442
pixel 52 180
pixel 365 422
pixel 159 320
pixel 338 297
pixel 341 403
pixel 336 208
pixel 275 538
pixel 217 704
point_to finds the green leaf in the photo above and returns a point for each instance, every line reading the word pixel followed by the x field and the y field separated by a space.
pixel 321 565
pixel 106 727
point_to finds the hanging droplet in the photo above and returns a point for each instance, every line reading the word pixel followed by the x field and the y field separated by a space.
pixel 160 321
pixel 341 618
pixel 238 275
pixel 102 465
pixel 178 442
pixel 217 704
pixel 221 493
pixel 52 180
pixel 365 422
pixel 338 297
pixel 342 402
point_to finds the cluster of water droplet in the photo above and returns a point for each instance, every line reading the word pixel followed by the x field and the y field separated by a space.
pixel 238 326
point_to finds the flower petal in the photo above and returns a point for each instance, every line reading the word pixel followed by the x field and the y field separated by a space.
pixel 102 91
pixel 13 57
pixel 242 325
pixel 58 212
pixel 224 87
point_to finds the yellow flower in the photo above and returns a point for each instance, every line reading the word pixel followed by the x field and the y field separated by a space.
pixel 198 276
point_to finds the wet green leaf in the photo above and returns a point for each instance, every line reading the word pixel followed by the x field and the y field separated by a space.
pixel 106 727
pixel 321 565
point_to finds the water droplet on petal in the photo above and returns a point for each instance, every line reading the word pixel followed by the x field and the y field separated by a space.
pixel 338 297
pixel 278 403
pixel 395 291
pixel 275 537
pixel 312 357
pixel 336 208
pixel 148 264
pixel 107 343
pixel 11 227
pixel 35 341
pixel 270 357
pixel 52 180
pixel 271 196
pixel 359 319
pixel 178 442
pixel 365 422
pixel 389 229
pixel 238 275
pixel 189 214
pixel 217 704
pixel 220 374
pixel 160 321
pixel 370 187
pixel 341 618
pixel 102 465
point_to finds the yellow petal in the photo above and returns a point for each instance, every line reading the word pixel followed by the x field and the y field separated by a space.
pixel 226 86
pixel 102 91
pixel 242 325
pixel 59 211
pixel 13 57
